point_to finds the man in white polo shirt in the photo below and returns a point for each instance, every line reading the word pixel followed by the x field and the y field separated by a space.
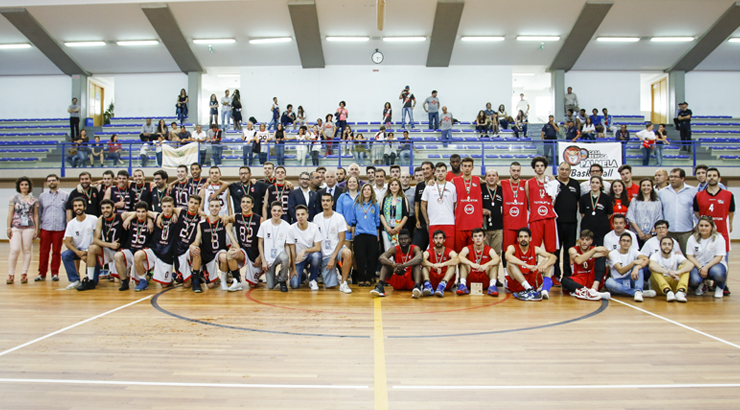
pixel 332 227
pixel 438 206
pixel 78 237
pixel 611 240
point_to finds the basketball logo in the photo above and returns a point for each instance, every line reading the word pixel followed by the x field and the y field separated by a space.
pixel 542 211
pixel 573 155
pixel 514 212
pixel 469 209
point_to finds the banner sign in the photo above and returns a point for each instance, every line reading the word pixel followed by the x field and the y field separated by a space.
pixel 185 155
pixel 580 156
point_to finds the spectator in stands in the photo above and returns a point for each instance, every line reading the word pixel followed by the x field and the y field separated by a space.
pixel 161 130
pixel 262 138
pixel 184 136
pixel 503 118
pixel 482 124
pixel 328 131
pixel 288 117
pixel 387 115
pixel 431 106
pixel 342 115
pixel 201 138
pixel 315 138
pixel 236 110
pixel 588 132
pixel 147 130
pixel 571 101
pixel 378 147
pixel 173 135
pixel 550 134
pixel 597 120
pixel 97 151
pixel 215 136
pixel 390 150
pixel 570 133
pixel 608 123
pixel 52 221
pixel 213 113
pixel 301 147
pixel 79 150
pixel 493 118
pixel 359 150
pixel 300 118
pixel 684 126
pixel 661 140
pixel 182 106
pixel 581 119
pixel 249 137
pixel 520 124
pixel 225 110
pixel 445 126
pixel 404 149
pixel 647 136
pixel 275 110
pixel 280 138
pixel 114 150
pixel 74 118
pixel 622 135
pixel 144 154
pixel 23 227
pixel 644 211
pixel 409 102
pixel 570 116
pixel 523 106
pixel 347 137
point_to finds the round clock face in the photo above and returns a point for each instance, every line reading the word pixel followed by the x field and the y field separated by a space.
pixel 377 57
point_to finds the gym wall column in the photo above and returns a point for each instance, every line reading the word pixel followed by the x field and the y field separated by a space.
pixel 558 91
pixel 79 91
pixel 676 91
pixel 194 94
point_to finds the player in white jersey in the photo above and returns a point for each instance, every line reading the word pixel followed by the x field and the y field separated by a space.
pixel 210 191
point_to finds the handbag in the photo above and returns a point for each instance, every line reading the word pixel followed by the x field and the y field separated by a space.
pixel 256 147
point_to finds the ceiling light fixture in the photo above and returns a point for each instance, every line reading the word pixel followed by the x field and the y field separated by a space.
pixel 618 39
pixel 735 40
pixel 133 43
pixel 523 74
pixel 538 38
pixel 482 38
pixel 228 75
pixel 270 40
pixel 404 39
pixel 348 39
pixel 672 39
pixel 85 44
pixel 211 41
pixel 14 46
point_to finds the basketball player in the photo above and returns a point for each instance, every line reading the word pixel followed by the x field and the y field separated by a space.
pixel 108 237
pixel 438 266
pixel 137 224
pixel 438 205
pixel 274 251
pixel 540 198
pixel 718 203
pixel 332 227
pixel 583 283
pixel 515 206
pixel 180 188
pixel 159 190
pixel 523 274
pixel 404 271
pixel 196 183
pixel 247 224
pixel 120 193
pixel 469 209
pixel 209 192
pixel 140 189
pixel 213 242
pixel 187 253
pixel 278 192
pixel 478 264
pixel 157 256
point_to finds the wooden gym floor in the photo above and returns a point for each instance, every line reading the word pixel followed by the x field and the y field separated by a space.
pixel 261 349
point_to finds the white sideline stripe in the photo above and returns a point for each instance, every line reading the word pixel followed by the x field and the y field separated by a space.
pixel 679 324
pixel 168 384
pixel 72 326
pixel 568 387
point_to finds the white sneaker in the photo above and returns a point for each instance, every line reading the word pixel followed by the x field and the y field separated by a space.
pixel 699 290
pixel 344 288
pixel 600 295
pixel 77 283
pixel 313 285
pixel 224 285
pixel 638 296
pixel 545 294
pixel 649 293
pixel 719 293
pixel 235 286
pixel 670 296
pixel 681 297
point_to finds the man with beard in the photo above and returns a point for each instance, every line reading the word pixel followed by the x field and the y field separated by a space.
pixel 455 171
pixel 157 257
pixel 278 192
pixel 523 273
pixel 138 225
pixel 469 209
pixel 341 175
pixel 210 191
pixel 108 238
pixel 88 193
pixel 404 271
pixel 438 266
pixel 196 182
pixel 186 253
pixel 247 254
pixel 493 202
pixel 120 193
pixel 515 206
pixel 140 189
pixel 245 187
pixel 421 233
pixel 78 237
pixel 53 223
pixel 159 190
pixel 584 282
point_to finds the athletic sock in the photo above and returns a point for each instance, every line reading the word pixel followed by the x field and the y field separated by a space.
pixel 526 285
pixel 443 282
pixel 426 281
pixel 91 273
pixel 236 275
pixel 492 282
pixel 462 281
pixel 546 283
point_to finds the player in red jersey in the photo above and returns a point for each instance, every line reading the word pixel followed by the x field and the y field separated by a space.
pixel 403 272
pixel 718 203
pixel 438 266
pixel 625 172
pixel 469 208
pixel 454 168
pixel 478 264
pixel 527 274
pixel 583 283
pixel 515 205
pixel 541 213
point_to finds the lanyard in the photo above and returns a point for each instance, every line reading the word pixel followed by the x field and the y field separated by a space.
pixel 109 224
pixel 478 256
pixel 214 234
pixel 442 191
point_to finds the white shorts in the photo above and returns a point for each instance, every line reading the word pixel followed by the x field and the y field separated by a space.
pixel 162 271
pixel 129 260
pixel 211 268
pixel 183 265
pixel 108 257
pixel 252 274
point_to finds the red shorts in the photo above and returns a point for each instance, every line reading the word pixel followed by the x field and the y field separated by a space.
pixel 509 239
pixel 401 282
pixel 435 278
pixel 545 230
pixel 463 239
pixel 449 231
pixel 534 279
pixel 478 277
pixel 584 280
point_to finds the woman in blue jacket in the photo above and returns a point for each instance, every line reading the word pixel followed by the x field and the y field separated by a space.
pixel 364 218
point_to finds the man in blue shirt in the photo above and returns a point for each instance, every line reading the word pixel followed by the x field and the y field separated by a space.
pixel 549 136
pixel 678 207
pixel 596 119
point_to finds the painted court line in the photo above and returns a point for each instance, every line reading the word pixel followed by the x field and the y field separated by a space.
pixel 172 384
pixel 380 379
pixel 572 387
pixel 71 327
pixel 679 324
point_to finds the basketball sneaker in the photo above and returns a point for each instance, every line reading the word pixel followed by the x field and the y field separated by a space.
pixel 492 291
pixel 416 292
pixel 428 289
pixel 73 285
pixel 583 293
pixel 196 287
pixel 124 285
pixel 440 292
pixel 235 286
pixel 681 297
pixel 638 296
pixel 649 293
pixel 530 295
pixel 142 285
pixel 719 293
pixel 86 284
pixel 670 296
pixel 344 288
pixel 600 295
pixel 545 294
pixel 462 290
pixel 379 291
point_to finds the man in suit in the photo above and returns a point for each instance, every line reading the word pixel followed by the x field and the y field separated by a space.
pixel 303 195
pixel 331 188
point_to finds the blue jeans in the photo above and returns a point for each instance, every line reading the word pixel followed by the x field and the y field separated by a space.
pixel 404 112
pixel 280 153
pixel 68 259
pixel 217 150
pixel 624 287
pixel 144 159
pixel 718 273
pixel 341 125
pixel 659 154
pixel 405 157
pixel 549 149
pixel 202 156
pixel 263 157
pixel 225 117
pixel 159 159
pixel 313 260
pixel 433 120
pixel 446 137
pixel 523 131
pixel 115 156
pixel 646 155
pixel 359 158
pixel 78 160
pixel 330 278
pixel 247 154
pixel 272 125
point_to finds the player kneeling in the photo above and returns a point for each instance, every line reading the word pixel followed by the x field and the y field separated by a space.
pixel 139 226
pixel 438 266
pixel 109 235
pixel 527 274
pixel 583 258
pixel 483 270
pixel 187 254
pixel 247 224
pixel 213 242
pixel 158 255
pixel 404 271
